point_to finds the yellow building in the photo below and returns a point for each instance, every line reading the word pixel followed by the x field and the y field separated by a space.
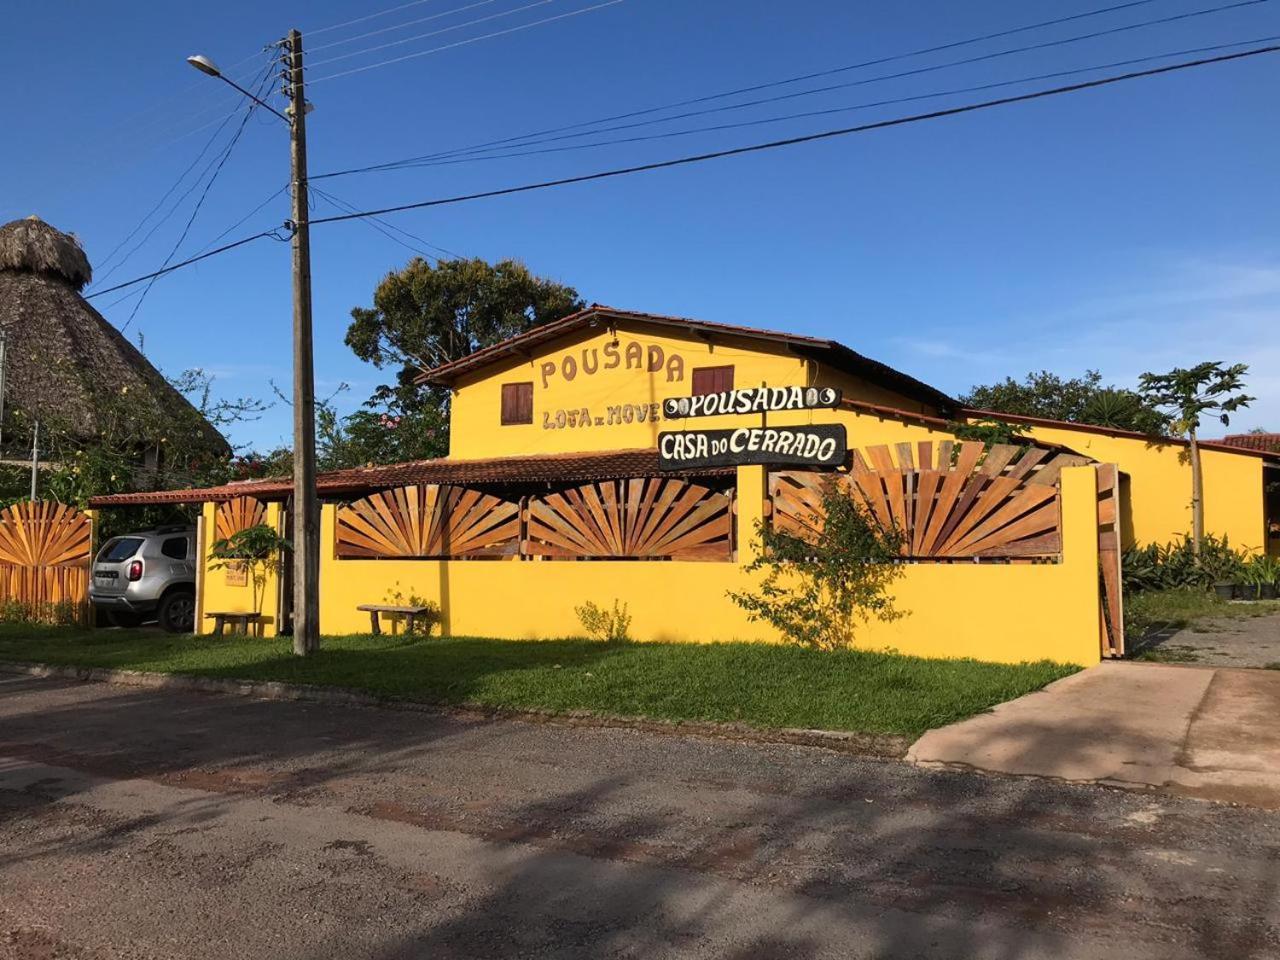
pixel 560 488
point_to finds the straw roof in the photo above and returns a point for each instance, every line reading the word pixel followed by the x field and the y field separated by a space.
pixel 61 356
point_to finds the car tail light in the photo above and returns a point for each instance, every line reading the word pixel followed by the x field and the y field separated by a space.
pixel 135 570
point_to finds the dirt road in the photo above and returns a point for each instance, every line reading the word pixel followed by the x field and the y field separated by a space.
pixel 142 824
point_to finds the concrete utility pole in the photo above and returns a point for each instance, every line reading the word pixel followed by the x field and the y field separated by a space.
pixel 306 506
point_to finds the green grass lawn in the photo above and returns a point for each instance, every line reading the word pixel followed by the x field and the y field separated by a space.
pixel 760 685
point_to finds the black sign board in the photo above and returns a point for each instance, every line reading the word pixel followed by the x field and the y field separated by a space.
pixel 751 400
pixel 821 445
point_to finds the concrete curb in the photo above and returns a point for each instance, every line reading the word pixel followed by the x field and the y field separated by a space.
pixel 879 746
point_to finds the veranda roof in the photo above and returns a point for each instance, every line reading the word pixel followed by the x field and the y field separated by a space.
pixel 337 484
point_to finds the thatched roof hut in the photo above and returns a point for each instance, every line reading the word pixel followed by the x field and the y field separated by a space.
pixel 64 363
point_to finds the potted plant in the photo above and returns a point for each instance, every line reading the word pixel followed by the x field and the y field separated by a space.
pixel 1265 572
pixel 1222 567
pixel 1248 587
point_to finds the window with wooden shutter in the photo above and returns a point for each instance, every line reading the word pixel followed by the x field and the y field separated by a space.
pixel 712 380
pixel 517 403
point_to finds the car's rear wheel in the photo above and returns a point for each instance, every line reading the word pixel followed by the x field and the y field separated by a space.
pixel 177 612
pixel 123 618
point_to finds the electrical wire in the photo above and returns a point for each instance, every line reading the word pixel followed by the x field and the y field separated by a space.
pixel 226 155
pixel 463 43
pixel 246 217
pixel 433 33
pixel 860 106
pixel 529 139
pixel 368 16
pixel 172 210
pixel 186 263
pixel 400 26
pixel 718 154
pixel 374 221
pixel 807 138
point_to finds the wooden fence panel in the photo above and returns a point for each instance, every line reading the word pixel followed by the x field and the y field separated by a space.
pixel 236 515
pixel 44 560
pixel 428 520
pixel 965 500
pixel 640 518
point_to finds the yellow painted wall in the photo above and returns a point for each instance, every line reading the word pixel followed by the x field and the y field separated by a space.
pixel 1159 500
pixel 217 594
pixel 995 612
pixel 476 430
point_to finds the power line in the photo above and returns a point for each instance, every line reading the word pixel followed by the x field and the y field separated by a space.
pixel 432 33
pixel 906 73
pixel 833 110
pixel 401 26
pixel 751 89
pixel 463 43
pixel 186 263
pixel 246 217
pixel 528 139
pixel 369 16
pixel 226 155
pixel 172 210
pixel 374 223
pixel 806 138
pixel 715 155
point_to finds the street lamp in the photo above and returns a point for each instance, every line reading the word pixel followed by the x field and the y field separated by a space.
pixel 306 507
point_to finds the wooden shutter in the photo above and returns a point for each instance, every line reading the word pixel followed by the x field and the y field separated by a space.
pixel 712 380
pixel 517 403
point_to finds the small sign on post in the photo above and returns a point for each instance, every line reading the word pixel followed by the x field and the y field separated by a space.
pixel 821 445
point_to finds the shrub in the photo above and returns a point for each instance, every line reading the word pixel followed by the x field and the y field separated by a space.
pixel 612 626
pixel 1173 565
pixel 814 591
pixel 428 620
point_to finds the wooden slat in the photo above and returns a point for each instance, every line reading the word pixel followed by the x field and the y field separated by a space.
pixel 428 520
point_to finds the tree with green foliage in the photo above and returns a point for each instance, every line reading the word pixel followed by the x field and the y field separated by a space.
pixel 1189 394
pixel 815 591
pixel 1076 400
pixel 424 316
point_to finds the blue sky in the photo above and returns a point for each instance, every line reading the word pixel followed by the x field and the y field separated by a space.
pixel 1126 229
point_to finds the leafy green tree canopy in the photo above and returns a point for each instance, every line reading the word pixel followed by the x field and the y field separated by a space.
pixel 424 316
pixel 1077 400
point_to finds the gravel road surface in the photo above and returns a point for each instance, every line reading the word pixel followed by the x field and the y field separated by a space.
pixel 149 824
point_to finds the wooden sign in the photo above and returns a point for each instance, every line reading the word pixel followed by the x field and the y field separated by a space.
pixel 751 400
pixel 237 573
pixel 821 445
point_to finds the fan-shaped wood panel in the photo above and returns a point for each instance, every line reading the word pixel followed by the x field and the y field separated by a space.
pixel 964 501
pixel 44 559
pixel 643 517
pixel 236 515
pixel 429 521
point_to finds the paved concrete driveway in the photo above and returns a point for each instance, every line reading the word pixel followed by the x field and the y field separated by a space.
pixel 1205 732
pixel 147 824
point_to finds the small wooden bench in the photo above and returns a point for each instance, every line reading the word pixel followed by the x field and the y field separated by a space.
pixel 238 618
pixel 410 614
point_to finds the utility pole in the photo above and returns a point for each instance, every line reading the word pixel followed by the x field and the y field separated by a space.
pixel 306 507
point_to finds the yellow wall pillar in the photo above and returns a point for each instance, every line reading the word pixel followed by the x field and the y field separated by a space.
pixel 750 505
pixel 221 590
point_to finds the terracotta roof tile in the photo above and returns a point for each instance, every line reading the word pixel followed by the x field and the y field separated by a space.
pixel 1268 442
pixel 544 468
